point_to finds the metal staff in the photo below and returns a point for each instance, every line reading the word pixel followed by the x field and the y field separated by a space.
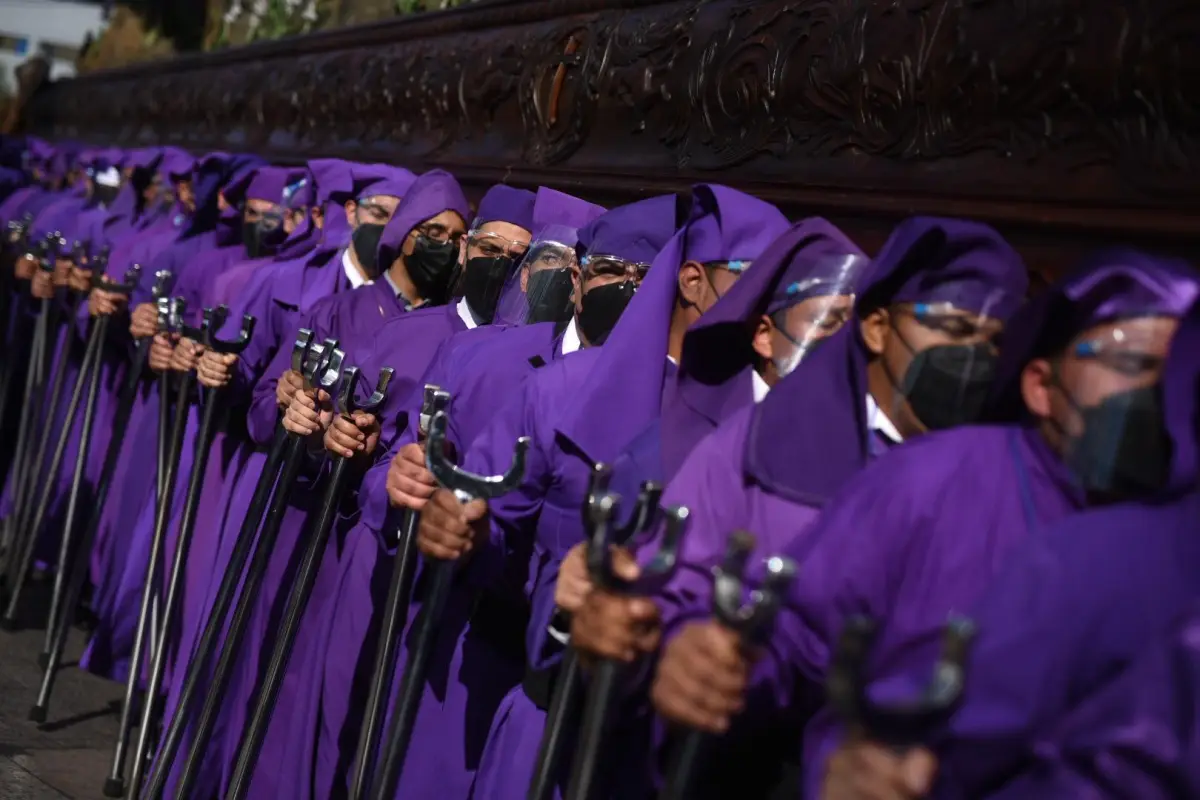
pixel 66 599
pixel 32 527
pixel 597 716
pixel 319 363
pixel 749 620
pixel 566 703
pixel 404 570
pixel 298 596
pixel 25 502
pixel 68 558
pixel 34 376
pixel 204 436
pixel 169 316
pixel 19 237
pixel 905 724
pixel 466 486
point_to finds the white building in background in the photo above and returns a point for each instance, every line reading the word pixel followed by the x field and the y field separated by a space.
pixel 55 28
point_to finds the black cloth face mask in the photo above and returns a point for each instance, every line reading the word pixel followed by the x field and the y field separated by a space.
pixel 1124 450
pixel 252 239
pixel 365 241
pixel 948 384
pixel 602 307
pixel 548 293
pixel 430 268
pixel 104 195
pixel 483 280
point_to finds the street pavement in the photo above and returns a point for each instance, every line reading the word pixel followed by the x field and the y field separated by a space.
pixel 68 755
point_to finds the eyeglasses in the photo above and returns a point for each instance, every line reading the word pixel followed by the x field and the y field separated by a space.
pixel 373 213
pixel 438 233
pixel 550 255
pixel 612 266
pixel 493 245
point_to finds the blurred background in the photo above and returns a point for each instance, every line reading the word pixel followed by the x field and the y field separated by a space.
pixel 84 35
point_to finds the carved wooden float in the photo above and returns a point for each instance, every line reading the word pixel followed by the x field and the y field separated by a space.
pixel 1067 123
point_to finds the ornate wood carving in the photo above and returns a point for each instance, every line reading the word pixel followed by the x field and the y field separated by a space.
pixel 1059 119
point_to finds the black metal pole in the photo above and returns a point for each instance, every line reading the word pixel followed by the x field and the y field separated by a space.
pixel 466 487
pixel 38 712
pixel 285 450
pixel 91 360
pixel 400 588
pixel 297 600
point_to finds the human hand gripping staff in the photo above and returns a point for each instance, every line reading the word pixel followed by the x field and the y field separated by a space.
pixel 562 713
pixel 404 570
pixel 63 310
pixel 468 488
pixel 29 514
pixel 746 622
pixel 604 688
pixel 301 589
pixel 884 754
pixel 71 572
pixel 33 395
pixel 213 404
pixel 319 365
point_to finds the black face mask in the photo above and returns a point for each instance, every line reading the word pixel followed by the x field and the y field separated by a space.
pixel 104 195
pixel 252 239
pixel 365 241
pixel 1124 450
pixel 602 307
pixel 947 385
pixel 261 240
pixel 483 280
pixel 430 268
pixel 548 293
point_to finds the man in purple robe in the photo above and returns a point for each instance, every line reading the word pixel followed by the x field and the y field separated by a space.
pixel 838 394
pixel 1074 606
pixel 413 269
pixel 891 543
pixel 800 290
pixel 353 194
pixel 522 534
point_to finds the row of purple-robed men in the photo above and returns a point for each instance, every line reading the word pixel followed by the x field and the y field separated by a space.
pixel 709 278
pixel 456 709
pixel 1076 388
pixel 420 274
pixel 443 699
pixel 917 535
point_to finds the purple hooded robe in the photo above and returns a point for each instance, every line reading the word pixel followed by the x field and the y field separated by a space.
pixel 714 382
pixel 352 318
pixel 816 416
pixel 1077 605
pixel 902 511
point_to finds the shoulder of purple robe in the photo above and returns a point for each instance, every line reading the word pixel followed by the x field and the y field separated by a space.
pixel 409 346
pixel 531 410
pixel 1068 611
pixel 640 461
pixel 710 484
pixel 274 327
pixel 914 538
pixel 1137 736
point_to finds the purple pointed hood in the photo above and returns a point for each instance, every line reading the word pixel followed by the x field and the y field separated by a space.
pixel 809 435
pixel 552 207
pixel 723 225
pixel 431 194
pixel 506 204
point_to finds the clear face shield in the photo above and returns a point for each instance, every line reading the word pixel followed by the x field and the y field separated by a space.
pixel 1105 398
pixel 941 357
pixel 489 262
pixel 807 311
pixel 542 286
